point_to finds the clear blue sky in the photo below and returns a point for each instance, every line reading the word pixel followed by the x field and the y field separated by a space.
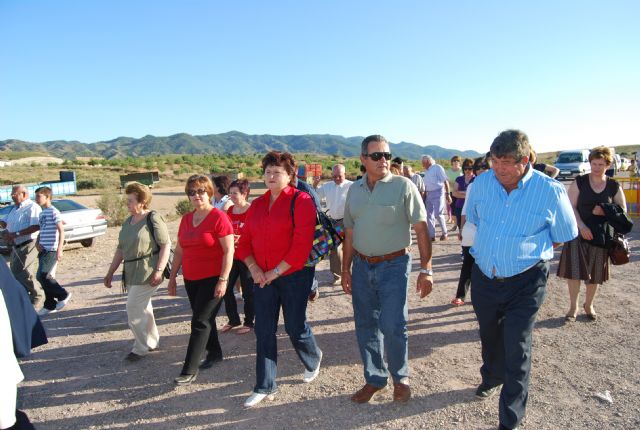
pixel 446 73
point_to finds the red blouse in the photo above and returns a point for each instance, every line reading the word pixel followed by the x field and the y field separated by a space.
pixel 201 249
pixel 269 235
pixel 237 222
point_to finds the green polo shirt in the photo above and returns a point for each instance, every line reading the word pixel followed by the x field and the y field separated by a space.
pixel 381 219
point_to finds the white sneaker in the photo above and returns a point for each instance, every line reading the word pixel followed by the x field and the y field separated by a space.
pixel 256 398
pixel 44 311
pixel 310 375
pixel 61 304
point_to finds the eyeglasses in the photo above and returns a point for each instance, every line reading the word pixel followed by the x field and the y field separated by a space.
pixel 377 156
pixel 467 168
pixel 199 191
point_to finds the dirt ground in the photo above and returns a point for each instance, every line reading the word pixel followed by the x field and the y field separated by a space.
pixel 80 380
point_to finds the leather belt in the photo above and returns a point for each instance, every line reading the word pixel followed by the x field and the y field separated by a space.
pixel 380 258
pixel 23 243
pixel 519 275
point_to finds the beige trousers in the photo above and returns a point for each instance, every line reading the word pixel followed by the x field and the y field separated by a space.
pixel 141 320
pixel 335 259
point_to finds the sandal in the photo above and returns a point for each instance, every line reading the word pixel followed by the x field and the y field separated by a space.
pixel 225 328
pixel 243 330
pixel 457 301
pixel 570 318
pixel 590 316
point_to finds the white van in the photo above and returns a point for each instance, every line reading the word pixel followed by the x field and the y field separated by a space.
pixel 573 163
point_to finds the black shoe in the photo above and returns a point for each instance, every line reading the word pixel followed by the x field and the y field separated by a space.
pixel 314 295
pixel 503 427
pixel 185 379
pixel 485 391
pixel 208 362
pixel 132 357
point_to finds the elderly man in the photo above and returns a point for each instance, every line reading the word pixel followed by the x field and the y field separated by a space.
pixel 437 187
pixel 22 226
pixel 379 212
pixel 520 215
pixel 335 195
pixel 416 178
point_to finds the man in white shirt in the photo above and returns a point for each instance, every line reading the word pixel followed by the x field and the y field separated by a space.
pixel 437 188
pixel 335 194
pixel 22 226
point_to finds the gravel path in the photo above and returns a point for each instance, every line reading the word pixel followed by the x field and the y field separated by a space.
pixel 80 381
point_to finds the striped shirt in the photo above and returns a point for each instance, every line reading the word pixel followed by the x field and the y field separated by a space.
pixel 518 229
pixel 49 236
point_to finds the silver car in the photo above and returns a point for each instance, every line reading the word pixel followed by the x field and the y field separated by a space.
pixel 81 224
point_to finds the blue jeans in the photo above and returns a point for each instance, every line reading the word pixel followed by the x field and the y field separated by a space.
pixel 379 295
pixel 53 292
pixel 291 292
pixel 506 312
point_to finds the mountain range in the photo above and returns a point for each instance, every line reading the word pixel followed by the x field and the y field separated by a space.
pixel 232 142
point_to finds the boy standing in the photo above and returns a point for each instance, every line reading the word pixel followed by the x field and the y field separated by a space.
pixel 49 245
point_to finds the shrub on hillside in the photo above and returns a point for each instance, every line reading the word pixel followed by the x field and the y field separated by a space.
pixel 114 207
pixel 183 207
pixel 90 184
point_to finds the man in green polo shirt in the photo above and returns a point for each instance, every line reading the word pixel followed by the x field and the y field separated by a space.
pixel 379 212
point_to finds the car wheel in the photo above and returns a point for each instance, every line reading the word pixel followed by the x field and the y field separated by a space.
pixel 87 242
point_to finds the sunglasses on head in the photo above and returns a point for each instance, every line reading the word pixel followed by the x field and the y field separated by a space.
pixel 377 156
pixel 199 191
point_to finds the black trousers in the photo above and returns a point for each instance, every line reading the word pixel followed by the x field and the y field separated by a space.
pixel 204 333
pixel 506 312
pixel 239 270
pixel 465 273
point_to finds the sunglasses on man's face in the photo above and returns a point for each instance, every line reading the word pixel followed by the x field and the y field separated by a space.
pixel 377 156
pixel 199 191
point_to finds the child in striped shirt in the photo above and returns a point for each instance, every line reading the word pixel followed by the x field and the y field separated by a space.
pixel 49 245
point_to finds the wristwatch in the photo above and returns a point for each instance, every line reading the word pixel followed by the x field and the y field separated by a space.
pixel 276 271
pixel 428 272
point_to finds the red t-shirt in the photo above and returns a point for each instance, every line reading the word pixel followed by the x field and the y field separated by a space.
pixel 237 222
pixel 201 249
pixel 269 235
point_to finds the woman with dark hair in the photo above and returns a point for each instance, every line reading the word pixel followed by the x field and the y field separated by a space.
pixel 467 234
pixel 460 187
pixel 239 194
pixel 275 244
pixel 220 199
pixel 586 257
pixel 205 253
pixel 143 267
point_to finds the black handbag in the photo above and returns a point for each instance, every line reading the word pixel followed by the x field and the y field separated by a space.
pixel 619 251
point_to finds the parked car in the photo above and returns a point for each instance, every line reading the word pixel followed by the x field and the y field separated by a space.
pixel 81 224
pixel 573 163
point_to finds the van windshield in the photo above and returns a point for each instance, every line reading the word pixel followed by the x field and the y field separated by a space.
pixel 570 157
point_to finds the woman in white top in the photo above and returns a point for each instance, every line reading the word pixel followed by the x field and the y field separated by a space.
pixel 220 199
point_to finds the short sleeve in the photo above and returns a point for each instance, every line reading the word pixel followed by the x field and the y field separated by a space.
pixel 160 229
pixel 413 204
pixel 222 225
pixel 348 219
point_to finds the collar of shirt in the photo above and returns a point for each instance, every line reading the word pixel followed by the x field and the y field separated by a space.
pixel 386 178
pixel 26 202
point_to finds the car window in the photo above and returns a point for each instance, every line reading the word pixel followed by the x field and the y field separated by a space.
pixel 571 157
pixel 6 211
pixel 67 205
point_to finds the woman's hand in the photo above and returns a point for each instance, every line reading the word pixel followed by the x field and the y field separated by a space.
pixel 107 279
pixel 172 287
pixel 156 278
pixel 586 234
pixel 598 211
pixel 258 275
pixel 270 276
pixel 221 289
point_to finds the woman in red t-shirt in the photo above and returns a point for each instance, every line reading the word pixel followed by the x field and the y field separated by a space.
pixel 275 247
pixel 205 252
pixel 239 193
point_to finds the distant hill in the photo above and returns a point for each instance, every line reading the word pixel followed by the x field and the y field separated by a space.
pixel 233 142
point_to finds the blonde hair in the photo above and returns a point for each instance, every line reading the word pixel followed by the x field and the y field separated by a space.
pixel 142 193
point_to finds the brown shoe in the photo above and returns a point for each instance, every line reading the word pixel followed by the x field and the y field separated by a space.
pixel 401 392
pixel 364 394
pixel 444 237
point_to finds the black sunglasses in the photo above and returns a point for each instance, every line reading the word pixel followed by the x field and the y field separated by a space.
pixel 377 156
pixel 199 191
pixel 467 168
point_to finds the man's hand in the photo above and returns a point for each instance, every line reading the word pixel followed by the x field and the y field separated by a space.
pixel 107 279
pixel 316 181
pixel 346 282
pixel 449 200
pixel 59 254
pixel 586 234
pixel 424 285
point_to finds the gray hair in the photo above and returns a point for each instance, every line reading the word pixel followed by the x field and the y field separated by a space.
pixel 339 166
pixel 364 150
pixel 511 143
pixel 428 157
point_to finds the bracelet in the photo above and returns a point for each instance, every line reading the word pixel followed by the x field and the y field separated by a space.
pixel 220 278
pixel 159 270
pixel 276 271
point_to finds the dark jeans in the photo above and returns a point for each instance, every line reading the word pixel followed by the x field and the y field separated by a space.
pixel 465 273
pixel 290 292
pixel 204 334
pixel 239 270
pixel 506 312
pixel 53 292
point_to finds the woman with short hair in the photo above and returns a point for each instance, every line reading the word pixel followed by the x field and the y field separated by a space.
pixel 586 257
pixel 205 253
pixel 220 199
pixel 143 267
pixel 275 243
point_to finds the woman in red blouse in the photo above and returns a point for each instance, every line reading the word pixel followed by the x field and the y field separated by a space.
pixel 205 252
pixel 238 193
pixel 275 248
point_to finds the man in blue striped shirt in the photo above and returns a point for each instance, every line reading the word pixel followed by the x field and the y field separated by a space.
pixel 520 214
